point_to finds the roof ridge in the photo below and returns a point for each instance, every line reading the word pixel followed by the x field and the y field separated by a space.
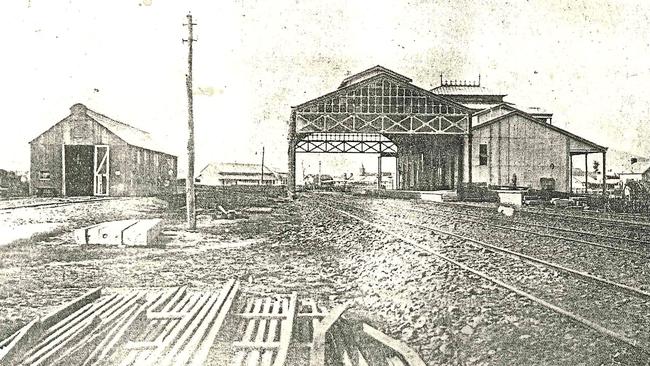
pixel 116 121
pixel 547 125
pixel 376 68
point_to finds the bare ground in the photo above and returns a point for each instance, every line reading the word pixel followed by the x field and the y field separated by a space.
pixel 448 316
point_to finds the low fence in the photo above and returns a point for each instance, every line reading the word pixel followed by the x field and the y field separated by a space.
pixel 621 205
pixel 230 197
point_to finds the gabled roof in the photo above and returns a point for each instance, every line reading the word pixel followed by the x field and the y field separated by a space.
pixel 535 120
pixel 129 134
pixel 465 90
pixel 383 72
pixel 493 107
pixel 375 70
pixel 637 168
pixel 234 168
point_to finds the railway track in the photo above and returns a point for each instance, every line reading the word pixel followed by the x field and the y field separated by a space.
pixel 56 203
pixel 609 226
pixel 476 219
pixel 595 290
pixel 584 218
pixel 590 214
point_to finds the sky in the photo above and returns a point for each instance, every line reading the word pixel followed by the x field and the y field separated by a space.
pixel 585 61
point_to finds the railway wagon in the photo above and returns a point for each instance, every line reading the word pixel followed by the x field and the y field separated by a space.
pixel 90 154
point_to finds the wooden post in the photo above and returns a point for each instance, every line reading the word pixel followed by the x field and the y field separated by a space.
pixel 586 173
pixel 469 149
pixel 262 176
pixel 604 177
pixel 63 191
pixel 189 182
pixel 570 174
pixel 379 172
pixel 291 174
pixel 396 172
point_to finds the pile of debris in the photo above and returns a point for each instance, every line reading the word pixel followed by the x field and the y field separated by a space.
pixel 178 326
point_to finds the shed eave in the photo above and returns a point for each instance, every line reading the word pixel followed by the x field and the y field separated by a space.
pixel 596 147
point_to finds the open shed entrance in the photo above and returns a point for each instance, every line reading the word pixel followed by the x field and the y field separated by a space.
pixel 86 169
pixel 79 170
pixel 379 111
pixel 353 143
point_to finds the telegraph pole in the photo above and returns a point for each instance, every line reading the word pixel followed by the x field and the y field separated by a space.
pixel 189 182
pixel 262 179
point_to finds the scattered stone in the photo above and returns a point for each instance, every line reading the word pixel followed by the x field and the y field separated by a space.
pixel 511 318
pixel 467 330
pixel 421 322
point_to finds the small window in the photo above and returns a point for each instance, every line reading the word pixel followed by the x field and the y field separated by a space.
pixel 156 161
pixel 44 175
pixel 482 154
pixel 138 157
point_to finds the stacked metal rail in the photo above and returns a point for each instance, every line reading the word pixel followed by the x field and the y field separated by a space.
pixel 182 327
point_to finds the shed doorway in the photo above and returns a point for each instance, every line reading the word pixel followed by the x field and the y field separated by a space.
pixel 79 172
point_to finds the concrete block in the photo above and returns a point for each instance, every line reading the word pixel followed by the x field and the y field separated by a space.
pixel 144 232
pixel 108 232
pixel 561 202
pixel 123 232
pixel 514 198
pixel 508 211
pixel 434 197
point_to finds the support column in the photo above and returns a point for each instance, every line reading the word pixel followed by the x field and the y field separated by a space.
pixel 379 172
pixel 586 173
pixel 396 172
pixel 570 174
pixel 469 148
pixel 459 182
pixel 604 176
pixel 291 174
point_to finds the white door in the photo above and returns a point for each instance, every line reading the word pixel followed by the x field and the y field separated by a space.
pixel 101 170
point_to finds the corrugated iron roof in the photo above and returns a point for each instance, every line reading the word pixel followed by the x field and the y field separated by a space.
pixel 236 168
pixel 248 177
pixel 547 125
pixel 481 106
pixel 131 135
pixel 464 90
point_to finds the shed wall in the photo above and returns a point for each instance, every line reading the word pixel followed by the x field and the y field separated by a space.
pixel 517 146
pixel 149 173
pixel 126 176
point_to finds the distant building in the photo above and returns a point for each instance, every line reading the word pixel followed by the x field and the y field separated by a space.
pixel 594 183
pixel 319 181
pixel 89 154
pixel 638 171
pixel 230 174
pixel 13 184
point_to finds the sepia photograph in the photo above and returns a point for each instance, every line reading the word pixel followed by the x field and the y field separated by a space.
pixel 325 183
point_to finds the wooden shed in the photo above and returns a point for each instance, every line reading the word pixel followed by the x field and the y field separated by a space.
pixel 514 145
pixel 517 148
pixel 89 154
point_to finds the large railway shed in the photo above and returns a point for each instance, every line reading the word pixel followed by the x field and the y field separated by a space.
pixel 459 132
pixel 89 154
